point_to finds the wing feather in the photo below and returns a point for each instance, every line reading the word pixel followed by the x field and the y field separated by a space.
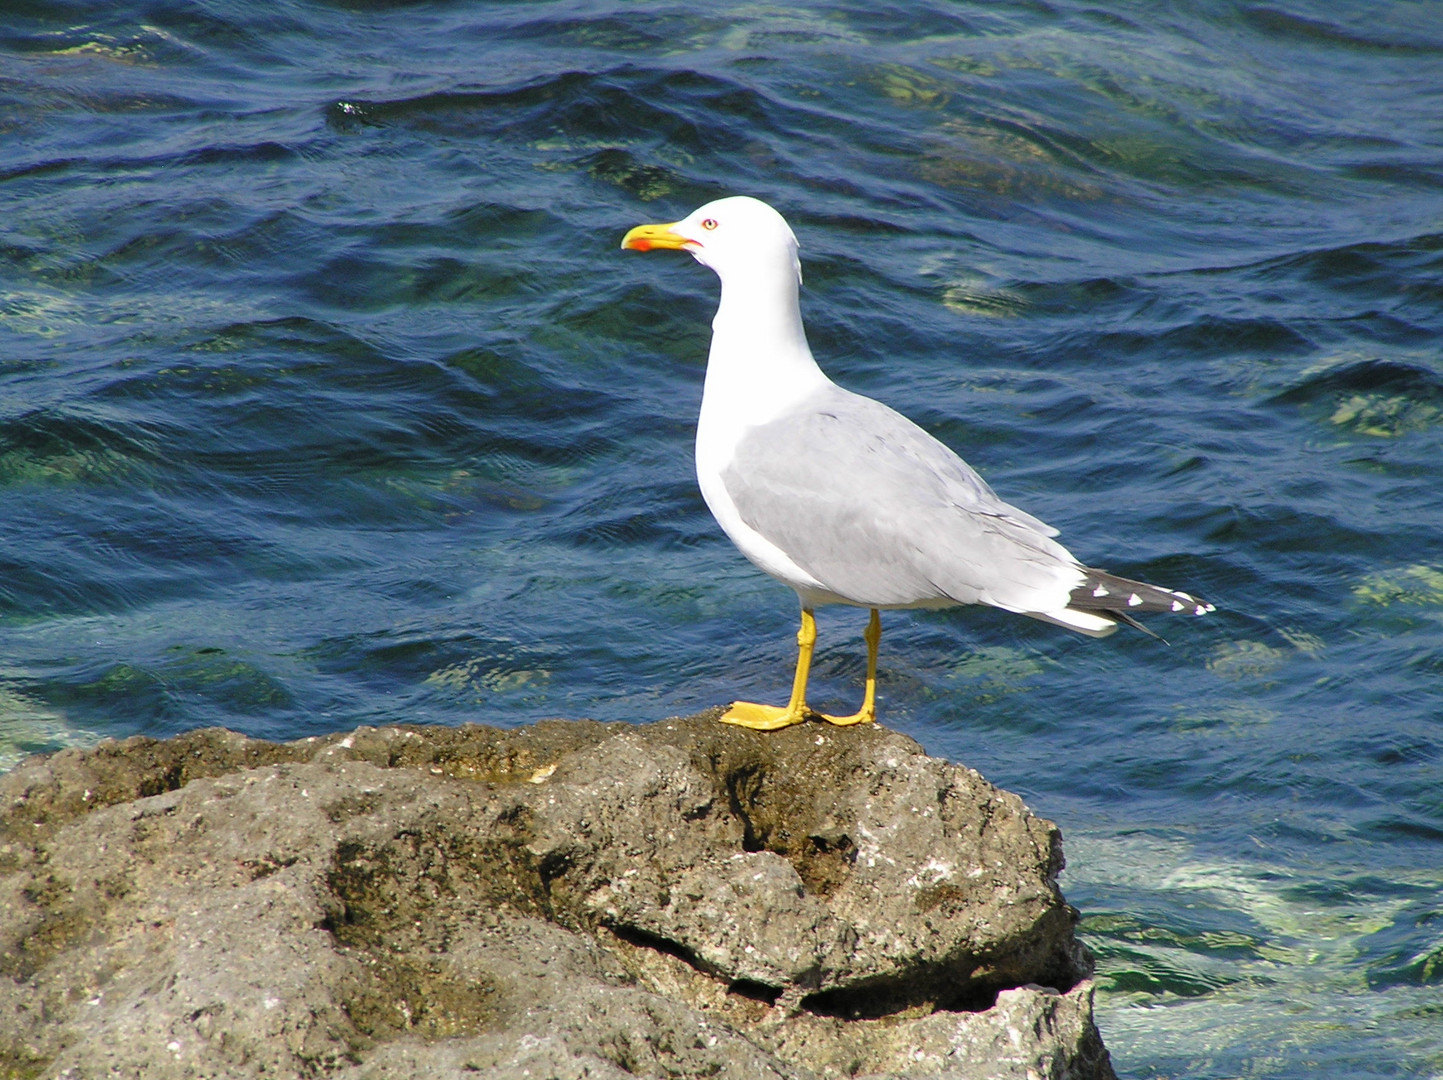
pixel 885 515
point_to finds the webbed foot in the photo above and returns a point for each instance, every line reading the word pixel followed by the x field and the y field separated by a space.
pixel 748 714
pixel 865 715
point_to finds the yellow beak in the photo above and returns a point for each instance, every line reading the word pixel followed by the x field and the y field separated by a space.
pixel 649 237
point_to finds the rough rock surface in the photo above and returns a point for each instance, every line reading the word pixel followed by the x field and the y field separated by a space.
pixel 680 899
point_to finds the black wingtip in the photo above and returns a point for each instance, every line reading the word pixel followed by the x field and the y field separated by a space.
pixel 1124 617
pixel 1121 598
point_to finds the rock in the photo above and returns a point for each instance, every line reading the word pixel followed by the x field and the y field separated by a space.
pixel 680 899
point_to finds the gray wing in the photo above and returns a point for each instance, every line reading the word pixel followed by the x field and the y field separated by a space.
pixel 884 515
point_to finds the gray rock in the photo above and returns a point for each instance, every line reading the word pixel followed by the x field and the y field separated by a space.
pixel 681 899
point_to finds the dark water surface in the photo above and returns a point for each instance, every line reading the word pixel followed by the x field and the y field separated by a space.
pixel 327 399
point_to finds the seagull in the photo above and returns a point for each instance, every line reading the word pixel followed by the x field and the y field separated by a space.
pixel 842 498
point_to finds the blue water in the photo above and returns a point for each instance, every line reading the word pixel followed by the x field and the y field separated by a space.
pixel 326 398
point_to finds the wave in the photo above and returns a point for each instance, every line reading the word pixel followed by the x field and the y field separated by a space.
pixel 1373 376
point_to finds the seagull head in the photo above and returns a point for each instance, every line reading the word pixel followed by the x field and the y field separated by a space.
pixel 738 237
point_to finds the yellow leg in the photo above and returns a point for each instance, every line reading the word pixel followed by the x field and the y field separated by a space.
pixel 770 717
pixel 868 712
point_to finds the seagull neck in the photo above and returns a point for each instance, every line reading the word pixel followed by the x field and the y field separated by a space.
pixel 758 339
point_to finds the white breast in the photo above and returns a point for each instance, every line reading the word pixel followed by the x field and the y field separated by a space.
pixel 732 403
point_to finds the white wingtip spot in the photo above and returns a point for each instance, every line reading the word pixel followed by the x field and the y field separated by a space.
pixel 1177 605
pixel 1134 600
pixel 1101 590
pixel 1203 609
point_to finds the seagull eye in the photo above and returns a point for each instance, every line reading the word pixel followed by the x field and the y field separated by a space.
pixel 709 224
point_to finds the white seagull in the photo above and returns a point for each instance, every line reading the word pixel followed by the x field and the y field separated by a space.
pixel 839 496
